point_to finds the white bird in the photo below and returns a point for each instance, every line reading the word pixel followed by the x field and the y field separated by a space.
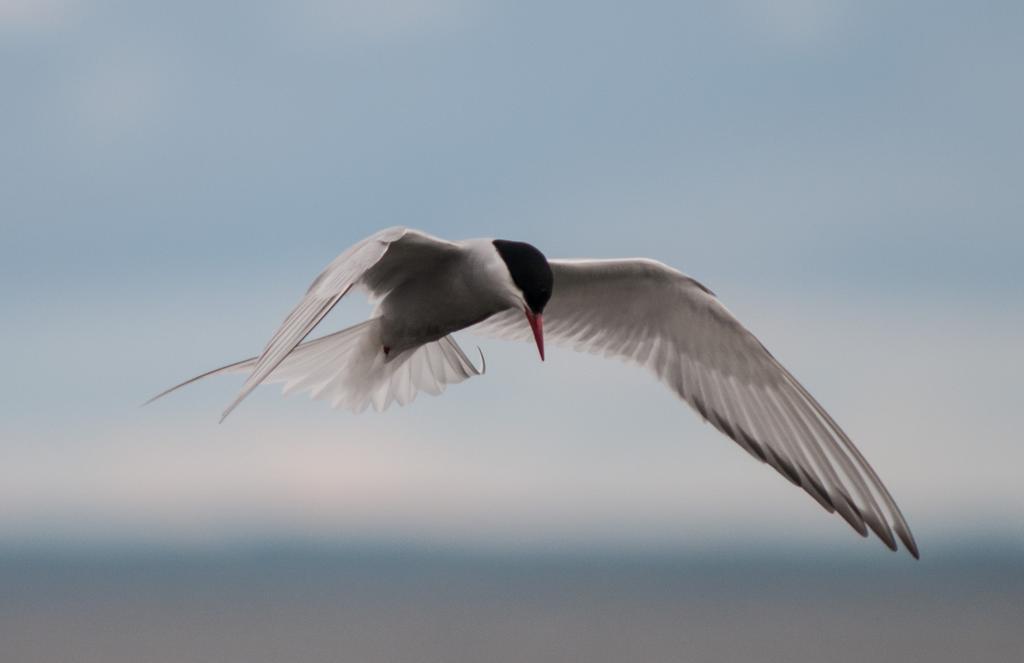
pixel 425 288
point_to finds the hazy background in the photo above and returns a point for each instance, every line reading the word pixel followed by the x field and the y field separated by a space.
pixel 846 176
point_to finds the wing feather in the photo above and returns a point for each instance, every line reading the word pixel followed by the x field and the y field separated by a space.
pixel 376 263
pixel 646 313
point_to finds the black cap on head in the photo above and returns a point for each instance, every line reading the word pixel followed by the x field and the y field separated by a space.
pixel 530 272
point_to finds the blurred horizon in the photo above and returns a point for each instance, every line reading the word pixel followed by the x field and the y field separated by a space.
pixel 388 606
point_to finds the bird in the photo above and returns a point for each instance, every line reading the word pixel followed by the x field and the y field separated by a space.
pixel 424 288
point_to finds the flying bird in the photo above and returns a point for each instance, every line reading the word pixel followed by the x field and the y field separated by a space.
pixel 425 288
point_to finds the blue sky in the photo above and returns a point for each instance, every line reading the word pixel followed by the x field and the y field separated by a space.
pixel 846 176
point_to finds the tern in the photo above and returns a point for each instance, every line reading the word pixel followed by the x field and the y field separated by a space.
pixel 425 288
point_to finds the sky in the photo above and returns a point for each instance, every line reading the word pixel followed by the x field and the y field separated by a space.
pixel 846 176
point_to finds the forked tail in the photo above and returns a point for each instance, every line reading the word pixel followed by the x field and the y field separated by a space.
pixel 349 369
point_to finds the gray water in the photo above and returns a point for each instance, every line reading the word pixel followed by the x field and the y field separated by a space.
pixel 395 606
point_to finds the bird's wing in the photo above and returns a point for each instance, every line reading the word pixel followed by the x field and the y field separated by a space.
pixel 378 263
pixel 647 313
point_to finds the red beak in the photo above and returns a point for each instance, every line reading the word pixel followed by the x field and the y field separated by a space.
pixel 537 325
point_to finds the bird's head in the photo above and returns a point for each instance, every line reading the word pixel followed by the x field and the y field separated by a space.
pixel 531 275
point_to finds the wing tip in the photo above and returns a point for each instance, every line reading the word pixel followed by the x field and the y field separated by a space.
pixel 246 390
pixel 908 542
pixel 883 532
pixel 230 409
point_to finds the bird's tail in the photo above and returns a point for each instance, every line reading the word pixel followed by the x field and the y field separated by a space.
pixel 350 370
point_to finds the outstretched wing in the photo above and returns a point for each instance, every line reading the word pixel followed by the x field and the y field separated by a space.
pixel 647 313
pixel 378 263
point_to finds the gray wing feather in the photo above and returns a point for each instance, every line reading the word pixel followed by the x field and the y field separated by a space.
pixel 647 313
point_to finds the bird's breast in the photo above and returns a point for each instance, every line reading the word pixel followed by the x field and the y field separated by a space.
pixel 425 310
